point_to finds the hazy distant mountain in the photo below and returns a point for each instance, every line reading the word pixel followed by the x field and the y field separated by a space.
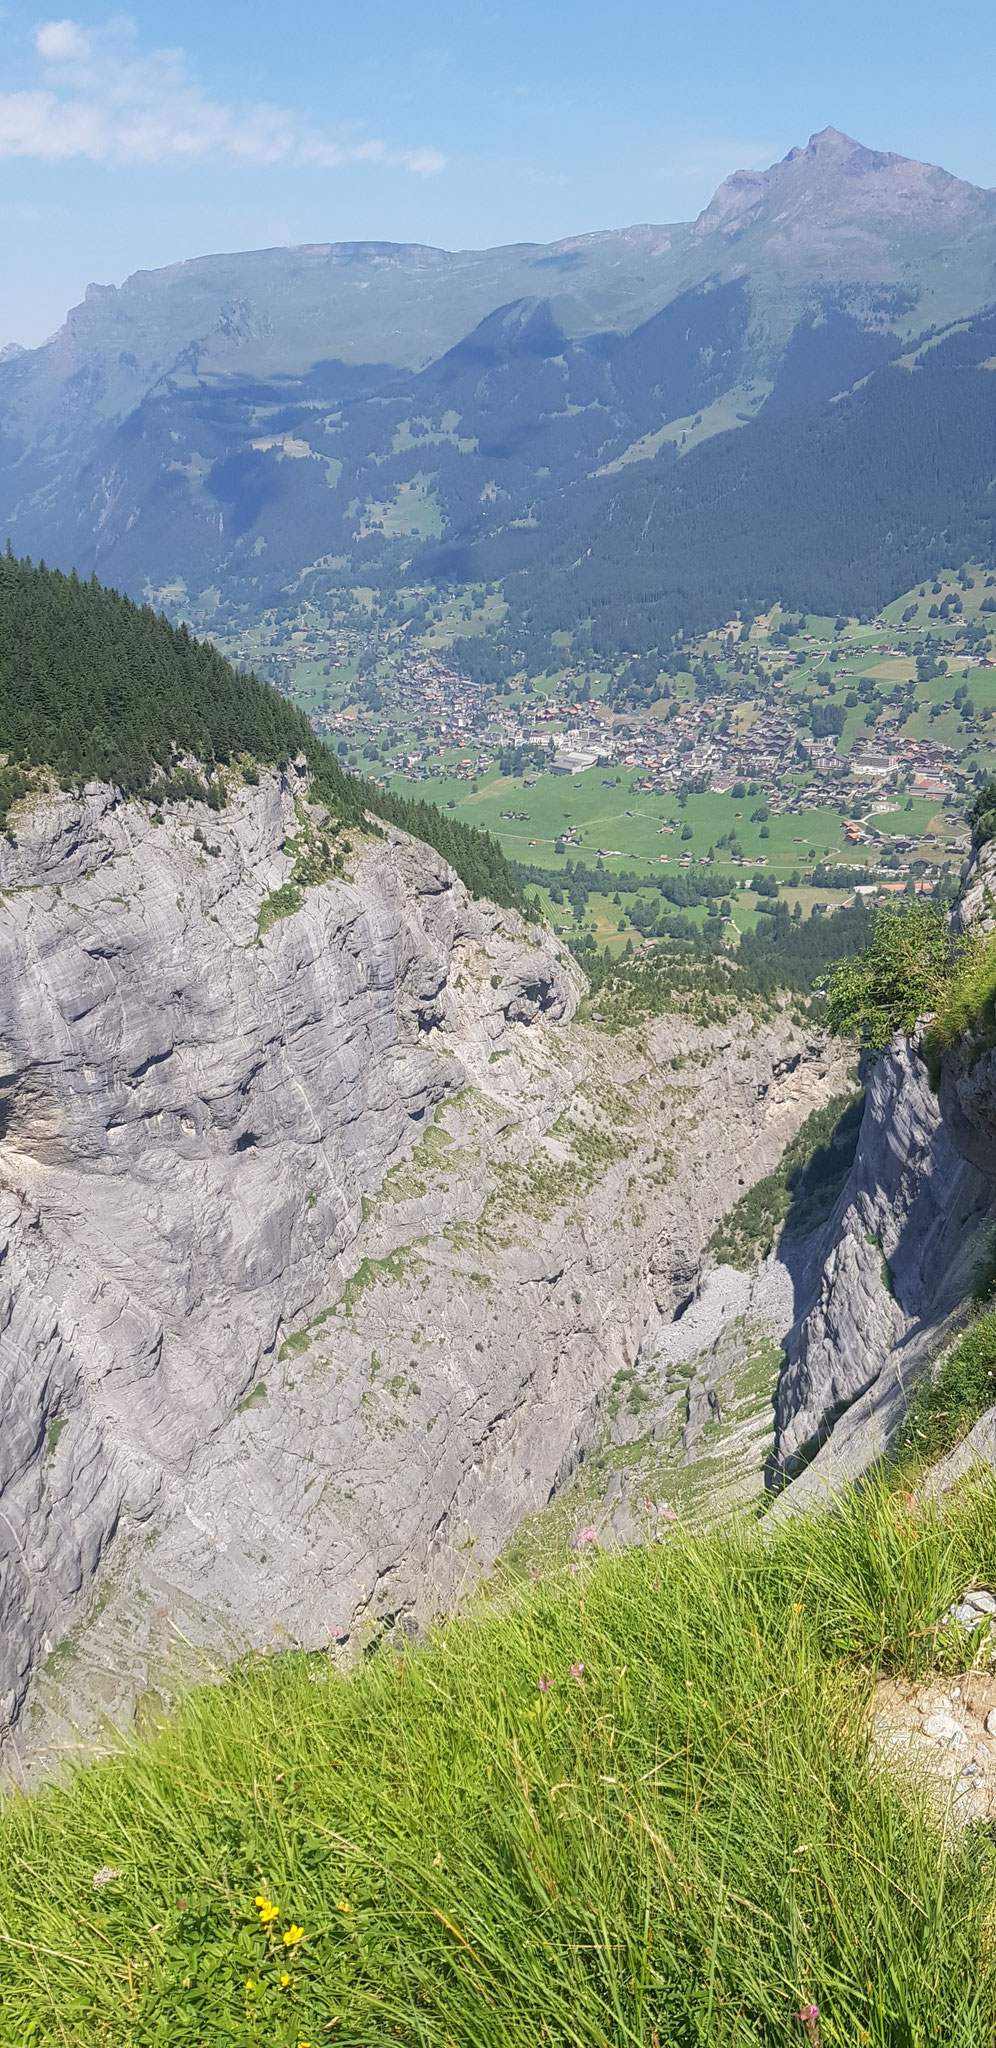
pixel 400 411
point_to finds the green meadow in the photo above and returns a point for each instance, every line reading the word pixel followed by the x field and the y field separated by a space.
pixel 628 1803
pixel 601 806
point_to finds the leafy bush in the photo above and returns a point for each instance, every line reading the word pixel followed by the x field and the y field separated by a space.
pixel 13 785
pixel 967 1003
pixel 902 974
pixel 982 816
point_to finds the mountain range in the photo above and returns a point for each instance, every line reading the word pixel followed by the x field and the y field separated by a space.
pixel 635 433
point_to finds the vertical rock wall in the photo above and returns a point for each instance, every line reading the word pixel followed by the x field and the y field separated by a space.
pixel 321 1234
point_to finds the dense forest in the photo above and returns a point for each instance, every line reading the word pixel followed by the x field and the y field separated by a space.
pixel 783 952
pixel 816 506
pixel 97 688
pixel 691 968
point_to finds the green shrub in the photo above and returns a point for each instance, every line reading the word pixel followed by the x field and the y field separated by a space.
pixel 13 785
pixel 902 974
pixel 966 1006
pixel 982 816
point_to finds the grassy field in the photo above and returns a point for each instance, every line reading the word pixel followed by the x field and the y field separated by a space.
pixel 601 807
pixel 413 509
pixel 464 617
pixel 629 1805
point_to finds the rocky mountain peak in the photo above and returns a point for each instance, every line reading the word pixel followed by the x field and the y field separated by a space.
pixel 835 182
pixel 828 142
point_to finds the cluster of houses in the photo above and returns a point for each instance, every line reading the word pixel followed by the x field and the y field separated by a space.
pixel 428 713
pixel 922 760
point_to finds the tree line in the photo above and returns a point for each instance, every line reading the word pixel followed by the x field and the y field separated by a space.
pixel 96 688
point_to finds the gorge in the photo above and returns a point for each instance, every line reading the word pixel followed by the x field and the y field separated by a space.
pixel 324 1239
pixel 334 1246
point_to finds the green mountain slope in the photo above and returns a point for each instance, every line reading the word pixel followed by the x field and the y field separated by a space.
pixel 366 415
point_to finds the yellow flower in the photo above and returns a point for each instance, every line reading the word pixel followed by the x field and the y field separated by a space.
pixel 266 1909
pixel 343 1906
pixel 293 1935
pixel 250 1986
pixel 285 1977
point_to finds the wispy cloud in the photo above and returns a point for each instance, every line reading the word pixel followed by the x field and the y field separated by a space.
pixel 99 96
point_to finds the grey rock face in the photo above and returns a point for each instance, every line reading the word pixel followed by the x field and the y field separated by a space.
pixel 977 1449
pixel 887 1278
pixel 894 1270
pixel 975 910
pixel 188 1122
pixel 968 1075
pixel 316 1248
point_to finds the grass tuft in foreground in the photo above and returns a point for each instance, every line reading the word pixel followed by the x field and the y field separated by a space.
pixel 630 1806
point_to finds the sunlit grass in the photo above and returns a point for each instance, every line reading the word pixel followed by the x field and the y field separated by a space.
pixel 631 1805
pixel 968 1001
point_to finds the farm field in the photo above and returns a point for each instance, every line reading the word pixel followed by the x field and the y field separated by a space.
pixel 626 830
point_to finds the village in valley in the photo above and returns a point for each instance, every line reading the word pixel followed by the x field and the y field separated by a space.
pixel 801 758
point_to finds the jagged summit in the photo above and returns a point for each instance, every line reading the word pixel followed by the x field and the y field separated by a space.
pixel 834 181
pixel 829 142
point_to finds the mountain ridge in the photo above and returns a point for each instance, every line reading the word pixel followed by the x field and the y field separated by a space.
pixel 219 429
pixel 829 148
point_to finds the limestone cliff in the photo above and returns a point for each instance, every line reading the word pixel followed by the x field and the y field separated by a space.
pixel 882 1288
pixel 324 1224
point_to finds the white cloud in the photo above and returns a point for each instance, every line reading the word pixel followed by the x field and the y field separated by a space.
pixel 100 97
pixel 58 41
pixel 425 162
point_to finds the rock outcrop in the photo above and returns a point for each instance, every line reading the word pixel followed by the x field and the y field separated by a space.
pixel 321 1233
pixel 894 1265
pixel 882 1288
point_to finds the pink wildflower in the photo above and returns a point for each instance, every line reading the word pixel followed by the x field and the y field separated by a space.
pixel 586 1536
pixel 544 1682
pixel 810 2017
pixel 577 1673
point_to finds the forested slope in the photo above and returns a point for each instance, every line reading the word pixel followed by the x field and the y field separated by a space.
pixel 820 504
pixel 97 688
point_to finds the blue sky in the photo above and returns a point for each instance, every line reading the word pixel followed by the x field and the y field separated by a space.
pixel 133 139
